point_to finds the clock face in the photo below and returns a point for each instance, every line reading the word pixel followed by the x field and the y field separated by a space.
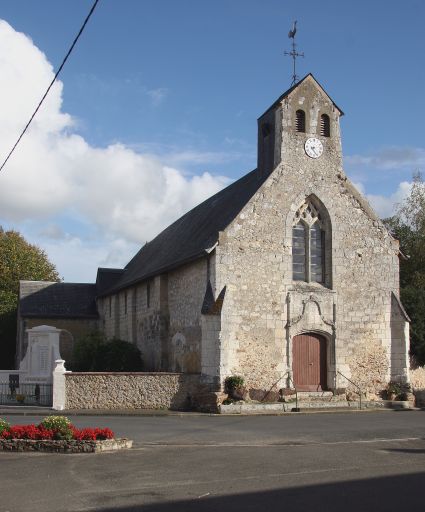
pixel 313 147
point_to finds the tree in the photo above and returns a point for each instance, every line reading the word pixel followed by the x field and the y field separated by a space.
pixel 94 353
pixel 19 260
pixel 408 226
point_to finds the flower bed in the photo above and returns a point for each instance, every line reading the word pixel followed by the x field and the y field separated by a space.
pixel 58 434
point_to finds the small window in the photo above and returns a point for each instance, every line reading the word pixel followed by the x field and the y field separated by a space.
pixel 110 306
pixel 125 303
pixel 325 125
pixel 300 121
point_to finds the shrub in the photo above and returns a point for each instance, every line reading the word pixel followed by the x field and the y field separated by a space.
pixel 95 353
pixel 233 382
pixel 4 425
pixel 121 356
pixel 399 390
pixel 56 422
pixel 59 425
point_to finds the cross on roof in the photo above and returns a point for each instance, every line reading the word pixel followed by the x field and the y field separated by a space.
pixel 293 53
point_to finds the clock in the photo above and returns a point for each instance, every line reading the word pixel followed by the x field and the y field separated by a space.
pixel 313 147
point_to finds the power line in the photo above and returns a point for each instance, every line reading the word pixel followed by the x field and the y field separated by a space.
pixel 51 84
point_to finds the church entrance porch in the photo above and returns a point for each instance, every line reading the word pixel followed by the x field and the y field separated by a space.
pixel 309 362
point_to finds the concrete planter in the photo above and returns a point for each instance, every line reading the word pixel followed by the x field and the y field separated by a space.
pixel 73 446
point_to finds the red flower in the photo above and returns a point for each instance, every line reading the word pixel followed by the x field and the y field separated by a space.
pixel 39 432
pixel 104 433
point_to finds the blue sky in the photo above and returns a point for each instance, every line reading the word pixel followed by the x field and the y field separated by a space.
pixel 170 92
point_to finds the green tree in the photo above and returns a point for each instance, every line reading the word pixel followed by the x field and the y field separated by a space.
pixel 94 353
pixel 408 226
pixel 19 260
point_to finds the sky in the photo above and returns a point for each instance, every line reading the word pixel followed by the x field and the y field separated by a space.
pixel 157 107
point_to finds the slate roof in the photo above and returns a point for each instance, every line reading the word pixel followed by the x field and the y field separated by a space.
pixel 107 279
pixel 191 236
pixel 60 300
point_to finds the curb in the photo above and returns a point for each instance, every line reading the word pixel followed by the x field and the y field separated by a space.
pixel 44 411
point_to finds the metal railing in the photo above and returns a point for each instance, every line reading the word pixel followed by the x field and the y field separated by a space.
pixel 26 394
pixel 296 394
pixel 359 392
pixel 287 373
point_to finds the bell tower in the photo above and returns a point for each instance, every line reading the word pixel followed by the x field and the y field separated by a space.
pixel 300 128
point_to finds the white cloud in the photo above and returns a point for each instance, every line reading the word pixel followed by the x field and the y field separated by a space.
pixel 385 205
pixel 157 96
pixel 389 158
pixel 124 197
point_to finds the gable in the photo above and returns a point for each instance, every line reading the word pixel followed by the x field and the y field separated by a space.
pixel 295 87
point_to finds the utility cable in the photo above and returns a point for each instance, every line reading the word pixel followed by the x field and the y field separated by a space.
pixel 51 84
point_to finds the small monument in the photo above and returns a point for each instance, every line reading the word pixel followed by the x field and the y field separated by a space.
pixel 42 352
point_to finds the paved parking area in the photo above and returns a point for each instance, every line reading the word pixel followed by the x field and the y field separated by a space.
pixel 341 461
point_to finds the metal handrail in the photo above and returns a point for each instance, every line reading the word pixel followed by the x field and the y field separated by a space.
pixel 354 384
pixel 266 394
pixel 287 373
pixel 296 392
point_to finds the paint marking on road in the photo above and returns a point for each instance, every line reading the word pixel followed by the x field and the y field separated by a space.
pixel 283 444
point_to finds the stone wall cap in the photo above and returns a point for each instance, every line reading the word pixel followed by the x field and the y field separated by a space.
pixel 138 374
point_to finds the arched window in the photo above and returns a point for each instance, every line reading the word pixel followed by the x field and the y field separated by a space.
pixel 300 121
pixel 325 125
pixel 309 245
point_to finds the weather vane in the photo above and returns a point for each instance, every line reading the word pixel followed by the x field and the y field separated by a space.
pixel 293 53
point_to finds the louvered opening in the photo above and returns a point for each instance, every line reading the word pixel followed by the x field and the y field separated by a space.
pixel 300 121
pixel 325 125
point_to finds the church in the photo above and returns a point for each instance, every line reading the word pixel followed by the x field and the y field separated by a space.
pixel 287 277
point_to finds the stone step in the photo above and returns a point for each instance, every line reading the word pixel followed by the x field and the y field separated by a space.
pixel 319 396
pixel 315 394
pixel 282 407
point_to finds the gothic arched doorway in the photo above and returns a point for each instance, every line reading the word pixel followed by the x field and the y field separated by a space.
pixel 309 362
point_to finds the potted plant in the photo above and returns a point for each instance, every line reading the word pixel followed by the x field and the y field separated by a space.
pixel 235 387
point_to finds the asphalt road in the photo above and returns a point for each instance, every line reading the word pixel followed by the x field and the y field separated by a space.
pixel 333 462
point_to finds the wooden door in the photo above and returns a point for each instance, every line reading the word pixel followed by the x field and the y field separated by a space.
pixel 309 362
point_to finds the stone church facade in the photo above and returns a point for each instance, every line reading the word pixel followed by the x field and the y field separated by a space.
pixel 286 277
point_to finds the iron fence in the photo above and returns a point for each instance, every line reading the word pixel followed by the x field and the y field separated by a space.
pixel 26 394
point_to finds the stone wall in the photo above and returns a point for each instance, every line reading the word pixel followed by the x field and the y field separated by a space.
pixel 417 380
pixel 186 291
pixel 139 315
pixel 162 317
pixel 130 390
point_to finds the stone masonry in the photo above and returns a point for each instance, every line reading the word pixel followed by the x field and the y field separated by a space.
pixel 129 390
